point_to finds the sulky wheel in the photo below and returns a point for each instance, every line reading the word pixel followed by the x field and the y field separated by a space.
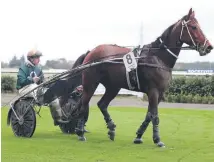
pixel 26 124
pixel 68 108
pixel 68 128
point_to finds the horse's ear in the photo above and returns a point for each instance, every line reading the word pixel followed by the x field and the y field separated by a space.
pixel 193 14
pixel 190 14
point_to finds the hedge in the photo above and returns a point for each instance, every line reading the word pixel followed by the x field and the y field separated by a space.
pixel 189 99
pixel 194 89
pixel 8 83
pixel 196 85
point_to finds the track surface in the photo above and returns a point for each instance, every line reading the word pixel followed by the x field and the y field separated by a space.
pixel 129 101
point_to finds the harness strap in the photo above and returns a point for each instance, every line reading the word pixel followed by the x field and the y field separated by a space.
pixel 169 50
pixel 128 81
pixel 138 83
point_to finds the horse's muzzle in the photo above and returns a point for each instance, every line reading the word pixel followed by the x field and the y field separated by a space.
pixel 209 49
pixel 205 50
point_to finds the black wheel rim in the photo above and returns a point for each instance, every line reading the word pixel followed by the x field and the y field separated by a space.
pixel 69 128
pixel 24 127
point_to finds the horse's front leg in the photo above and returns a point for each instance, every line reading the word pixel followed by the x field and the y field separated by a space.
pixel 152 115
pixel 143 128
pixel 156 135
pixel 154 99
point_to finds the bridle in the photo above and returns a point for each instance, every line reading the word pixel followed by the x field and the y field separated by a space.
pixel 184 24
pixel 194 47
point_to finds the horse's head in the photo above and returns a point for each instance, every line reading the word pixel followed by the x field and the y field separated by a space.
pixel 192 34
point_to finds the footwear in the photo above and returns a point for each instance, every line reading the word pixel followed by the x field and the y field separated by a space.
pixel 62 121
pixel 56 113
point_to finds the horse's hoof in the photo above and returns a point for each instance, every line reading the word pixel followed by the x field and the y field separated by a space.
pixel 138 141
pixel 111 135
pixel 160 144
pixel 81 138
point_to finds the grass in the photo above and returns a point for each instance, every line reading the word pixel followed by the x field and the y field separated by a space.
pixel 188 135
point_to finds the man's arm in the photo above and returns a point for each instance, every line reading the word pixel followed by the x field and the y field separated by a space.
pixel 23 79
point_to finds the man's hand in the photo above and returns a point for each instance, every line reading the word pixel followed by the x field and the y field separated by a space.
pixel 36 79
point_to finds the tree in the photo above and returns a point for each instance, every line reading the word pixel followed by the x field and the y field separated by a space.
pixel 14 62
pixel 4 65
pixel 61 63
pixel 22 59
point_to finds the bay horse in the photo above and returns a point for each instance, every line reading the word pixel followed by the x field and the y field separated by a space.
pixel 154 72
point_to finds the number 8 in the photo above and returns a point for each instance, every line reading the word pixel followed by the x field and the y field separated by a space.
pixel 129 59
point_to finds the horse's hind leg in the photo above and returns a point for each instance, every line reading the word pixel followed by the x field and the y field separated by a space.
pixel 109 95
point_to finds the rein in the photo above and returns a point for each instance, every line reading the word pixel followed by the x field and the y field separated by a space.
pixel 182 48
pixel 106 59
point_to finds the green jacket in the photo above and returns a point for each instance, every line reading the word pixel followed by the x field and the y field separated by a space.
pixel 26 73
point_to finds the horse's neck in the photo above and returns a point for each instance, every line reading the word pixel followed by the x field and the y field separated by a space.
pixel 168 59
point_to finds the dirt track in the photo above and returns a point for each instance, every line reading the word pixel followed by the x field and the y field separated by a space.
pixel 127 102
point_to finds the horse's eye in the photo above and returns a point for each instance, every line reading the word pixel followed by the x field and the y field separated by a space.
pixel 194 27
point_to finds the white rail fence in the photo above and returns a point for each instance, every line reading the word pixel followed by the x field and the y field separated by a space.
pixel 100 89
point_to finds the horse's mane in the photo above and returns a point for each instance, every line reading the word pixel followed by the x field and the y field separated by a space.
pixel 164 36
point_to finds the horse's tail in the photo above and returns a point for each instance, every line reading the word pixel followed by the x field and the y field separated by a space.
pixel 80 60
pixel 76 78
pixel 62 88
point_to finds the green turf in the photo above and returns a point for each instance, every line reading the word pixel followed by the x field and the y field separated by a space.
pixel 188 135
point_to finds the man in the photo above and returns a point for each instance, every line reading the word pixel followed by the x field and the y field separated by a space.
pixel 30 75
pixel 30 72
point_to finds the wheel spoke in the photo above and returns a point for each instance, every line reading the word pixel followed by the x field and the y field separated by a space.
pixel 26 125
pixel 27 129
